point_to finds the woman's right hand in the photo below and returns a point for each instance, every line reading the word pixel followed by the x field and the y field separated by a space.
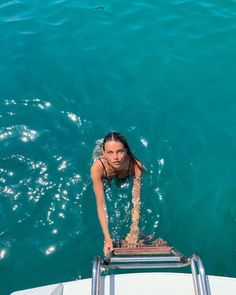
pixel 108 245
pixel 131 239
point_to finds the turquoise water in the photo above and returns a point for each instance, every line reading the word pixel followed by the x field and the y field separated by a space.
pixel 162 73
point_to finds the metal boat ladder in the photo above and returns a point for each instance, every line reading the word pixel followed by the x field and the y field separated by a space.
pixel 150 257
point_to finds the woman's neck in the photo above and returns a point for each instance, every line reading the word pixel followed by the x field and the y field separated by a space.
pixel 122 168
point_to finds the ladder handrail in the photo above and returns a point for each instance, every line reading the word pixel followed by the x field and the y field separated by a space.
pixel 135 262
pixel 199 280
pixel 96 276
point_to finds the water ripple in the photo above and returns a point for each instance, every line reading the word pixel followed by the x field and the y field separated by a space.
pixel 19 131
pixel 26 102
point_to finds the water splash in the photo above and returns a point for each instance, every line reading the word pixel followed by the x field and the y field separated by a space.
pixel 144 142
pixel 50 250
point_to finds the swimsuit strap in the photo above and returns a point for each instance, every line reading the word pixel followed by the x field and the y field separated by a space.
pixel 107 178
pixel 103 167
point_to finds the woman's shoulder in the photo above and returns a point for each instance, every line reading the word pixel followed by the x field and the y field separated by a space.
pixel 97 167
pixel 138 163
pixel 137 168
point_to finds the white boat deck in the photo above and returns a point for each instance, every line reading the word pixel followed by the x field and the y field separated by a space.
pixel 138 284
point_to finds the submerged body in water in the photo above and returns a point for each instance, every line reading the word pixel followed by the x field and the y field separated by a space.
pixel 118 196
pixel 116 163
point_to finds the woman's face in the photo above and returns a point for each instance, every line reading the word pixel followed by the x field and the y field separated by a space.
pixel 115 153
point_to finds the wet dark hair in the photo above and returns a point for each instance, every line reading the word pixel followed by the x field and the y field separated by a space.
pixel 116 136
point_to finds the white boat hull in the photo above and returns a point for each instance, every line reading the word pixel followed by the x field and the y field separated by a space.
pixel 138 284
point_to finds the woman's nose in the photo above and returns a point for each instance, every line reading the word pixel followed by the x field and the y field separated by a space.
pixel 115 156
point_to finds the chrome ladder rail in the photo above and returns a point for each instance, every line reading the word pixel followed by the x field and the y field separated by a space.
pixel 199 280
pixel 175 260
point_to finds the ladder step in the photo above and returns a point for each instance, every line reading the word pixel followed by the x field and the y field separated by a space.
pixel 157 247
pixel 142 250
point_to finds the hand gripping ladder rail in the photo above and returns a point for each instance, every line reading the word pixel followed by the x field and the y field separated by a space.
pixel 156 255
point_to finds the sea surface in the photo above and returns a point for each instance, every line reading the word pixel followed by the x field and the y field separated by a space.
pixel 163 73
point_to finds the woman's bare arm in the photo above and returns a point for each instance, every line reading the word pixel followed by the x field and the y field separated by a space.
pixel 132 237
pixel 96 174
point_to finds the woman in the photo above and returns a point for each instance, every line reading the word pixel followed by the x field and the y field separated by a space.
pixel 116 161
